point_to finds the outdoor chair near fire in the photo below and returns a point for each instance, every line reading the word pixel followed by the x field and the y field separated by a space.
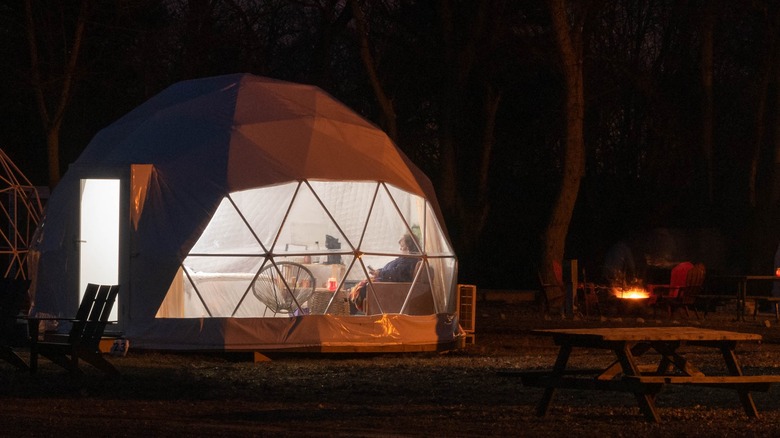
pixel 83 340
pixel 284 287
pixel 587 295
pixel 14 302
pixel 685 283
pixel 678 278
pixel 586 292
pixel 552 291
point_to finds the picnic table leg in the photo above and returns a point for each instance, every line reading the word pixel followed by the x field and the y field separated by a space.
pixel 560 366
pixel 732 363
pixel 645 400
pixel 741 298
pixel 616 367
pixel 669 356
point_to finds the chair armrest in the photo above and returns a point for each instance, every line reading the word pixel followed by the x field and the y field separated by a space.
pixel 651 288
pixel 47 318
pixel 34 324
pixel 34 329
pixel 37 319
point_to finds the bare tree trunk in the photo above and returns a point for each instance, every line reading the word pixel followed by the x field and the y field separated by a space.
pixel 774 196
pixel 460 59
pixel 774 173
pixel 491 104
pixel 760 118
pixel 774 177
pixel 52 117
pixel 708 100
pixel 388 110
pixel 568 38
pixel 448 178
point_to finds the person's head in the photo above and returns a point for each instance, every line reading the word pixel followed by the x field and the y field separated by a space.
pixel 407 243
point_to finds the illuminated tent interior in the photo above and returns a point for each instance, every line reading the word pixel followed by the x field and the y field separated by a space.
pixel 236 212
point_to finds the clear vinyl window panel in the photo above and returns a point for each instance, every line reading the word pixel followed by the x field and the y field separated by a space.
pixel 297 249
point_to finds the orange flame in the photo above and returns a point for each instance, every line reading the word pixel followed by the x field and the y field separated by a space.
pixel 632 293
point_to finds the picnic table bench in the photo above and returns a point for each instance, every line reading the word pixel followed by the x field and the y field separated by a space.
pixel 772 301
pixel 742 296
pixel 645 381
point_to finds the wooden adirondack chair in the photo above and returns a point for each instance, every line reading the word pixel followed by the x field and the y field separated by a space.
pixel 678 277
pixel 554 292
pixel 683 296
pixel 83 341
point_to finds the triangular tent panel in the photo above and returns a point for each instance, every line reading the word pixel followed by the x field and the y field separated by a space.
pixel 248 210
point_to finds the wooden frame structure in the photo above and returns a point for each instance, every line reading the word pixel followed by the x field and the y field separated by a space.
pixel 21 210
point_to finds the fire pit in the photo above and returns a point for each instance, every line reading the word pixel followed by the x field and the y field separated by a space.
pixel 631 293
pixel 631 300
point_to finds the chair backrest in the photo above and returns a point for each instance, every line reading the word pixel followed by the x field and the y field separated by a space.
pixel 271 288
pixel 551 292
pixel 679 278
pixel 402 297
pixel 693 285
pixel 394 297
pixel 92 315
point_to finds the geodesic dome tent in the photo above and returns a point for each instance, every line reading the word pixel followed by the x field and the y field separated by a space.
pixel 236 212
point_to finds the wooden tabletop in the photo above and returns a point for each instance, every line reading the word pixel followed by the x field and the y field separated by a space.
pixel 748 277
pixel 650 334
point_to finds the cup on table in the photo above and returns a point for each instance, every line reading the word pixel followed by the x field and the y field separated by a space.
pixel 332 284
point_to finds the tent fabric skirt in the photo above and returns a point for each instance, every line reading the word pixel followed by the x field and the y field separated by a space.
pixel 310 332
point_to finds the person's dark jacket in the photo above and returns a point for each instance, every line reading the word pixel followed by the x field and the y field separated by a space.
pixel 400 269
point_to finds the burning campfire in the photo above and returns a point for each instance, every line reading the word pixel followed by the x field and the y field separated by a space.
pixel 631 293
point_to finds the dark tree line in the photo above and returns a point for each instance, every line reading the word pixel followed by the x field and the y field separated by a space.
pixel 678 98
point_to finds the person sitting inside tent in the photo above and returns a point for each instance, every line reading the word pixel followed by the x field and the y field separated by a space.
pixel 400 269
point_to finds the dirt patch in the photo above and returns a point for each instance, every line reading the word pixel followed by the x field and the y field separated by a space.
pixel 452 394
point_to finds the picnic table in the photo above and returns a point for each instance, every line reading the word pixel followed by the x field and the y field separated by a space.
pixel 646 381
pixel 742 296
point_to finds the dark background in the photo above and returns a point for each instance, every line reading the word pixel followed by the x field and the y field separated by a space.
pixel 646 169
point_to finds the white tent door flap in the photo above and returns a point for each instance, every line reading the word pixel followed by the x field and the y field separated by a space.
pixel 99 234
